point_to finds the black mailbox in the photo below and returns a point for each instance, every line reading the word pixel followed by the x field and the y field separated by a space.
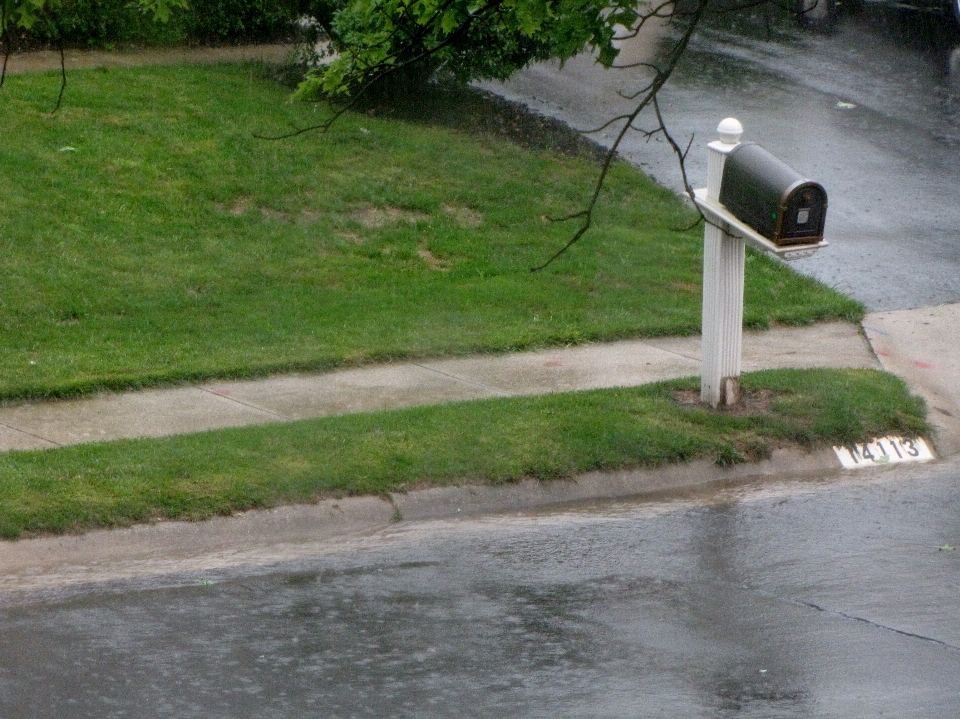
pixel 772 197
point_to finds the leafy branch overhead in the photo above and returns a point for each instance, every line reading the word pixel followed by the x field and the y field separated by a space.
pixel 470 39
pixel 374 41
pixel 16 15
pixel 24 14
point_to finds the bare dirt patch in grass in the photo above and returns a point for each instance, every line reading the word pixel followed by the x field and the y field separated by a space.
pixel 352 237
pixel 752 402
pixel 271 214
pixel 691 287
pixel 383 216
pixel 240 206
pixel 77 59
pixel 244 204
pixel 463 216
pixel 433 262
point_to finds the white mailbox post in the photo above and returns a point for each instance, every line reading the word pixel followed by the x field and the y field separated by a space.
pixel 724 240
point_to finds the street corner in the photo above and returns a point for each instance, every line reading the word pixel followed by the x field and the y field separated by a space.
pixel 920 346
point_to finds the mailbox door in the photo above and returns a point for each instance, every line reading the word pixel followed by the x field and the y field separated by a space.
pixel 803 213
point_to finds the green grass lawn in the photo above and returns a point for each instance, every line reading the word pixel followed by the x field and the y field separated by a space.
pixel 148 237
pixel 487 441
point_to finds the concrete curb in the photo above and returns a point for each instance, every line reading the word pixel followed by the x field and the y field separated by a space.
pixel 472 500
pixel 268 536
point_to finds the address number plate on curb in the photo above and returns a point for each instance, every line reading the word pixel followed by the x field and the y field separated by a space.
pixel 886 450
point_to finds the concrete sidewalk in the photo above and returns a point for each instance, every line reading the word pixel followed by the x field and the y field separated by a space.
pixel 214 405
pixel 922 346
pixel 918 345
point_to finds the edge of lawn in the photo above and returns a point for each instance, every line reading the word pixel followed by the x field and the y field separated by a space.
pixel 480 442
pixel 129 362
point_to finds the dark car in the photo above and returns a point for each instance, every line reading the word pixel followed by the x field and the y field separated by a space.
pixel 822 14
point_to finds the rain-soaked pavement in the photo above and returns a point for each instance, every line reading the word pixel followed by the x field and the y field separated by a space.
pixel 872 112
pixel 831 598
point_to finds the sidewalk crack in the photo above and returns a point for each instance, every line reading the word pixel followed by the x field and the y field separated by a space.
pixel 30 434
pixel 673 352
pixel 246 404
pixel 487 387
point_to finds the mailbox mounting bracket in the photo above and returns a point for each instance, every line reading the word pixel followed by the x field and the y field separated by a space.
pixel 715 212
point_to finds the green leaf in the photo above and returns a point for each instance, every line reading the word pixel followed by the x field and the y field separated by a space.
pixel 450 21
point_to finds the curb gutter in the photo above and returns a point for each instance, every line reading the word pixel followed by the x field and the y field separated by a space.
pixel 264 537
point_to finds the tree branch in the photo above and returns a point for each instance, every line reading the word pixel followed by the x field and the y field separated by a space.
pixel 63 74
pixel 7 42
pixel 383 70
pixel 650 97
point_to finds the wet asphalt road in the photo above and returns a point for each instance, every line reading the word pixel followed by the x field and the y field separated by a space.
pixel 817 599
pixel 889 155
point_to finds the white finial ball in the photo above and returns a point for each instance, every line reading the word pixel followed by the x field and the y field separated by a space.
pixel 730 131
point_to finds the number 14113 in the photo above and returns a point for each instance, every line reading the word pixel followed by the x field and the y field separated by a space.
pixel 886 450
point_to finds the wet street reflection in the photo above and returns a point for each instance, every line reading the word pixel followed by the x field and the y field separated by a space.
pixel 953 67
pixel 758 670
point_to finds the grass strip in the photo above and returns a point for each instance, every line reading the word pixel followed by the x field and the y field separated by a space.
pixel 487 441
pixel 148 237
